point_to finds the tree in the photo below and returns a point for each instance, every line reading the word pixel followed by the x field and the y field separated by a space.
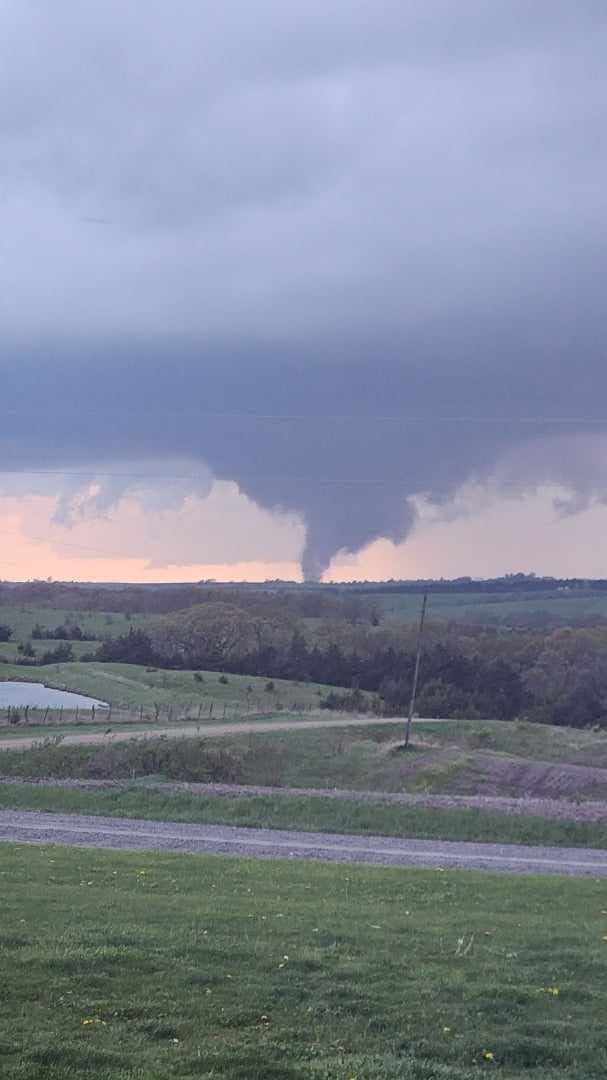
pixel 61 654
pixel 568 682
pixel 132 648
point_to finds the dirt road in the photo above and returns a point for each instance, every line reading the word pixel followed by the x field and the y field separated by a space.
pixel 196 730
pixel 136 835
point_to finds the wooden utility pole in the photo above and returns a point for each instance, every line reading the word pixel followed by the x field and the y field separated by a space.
pixel 418 656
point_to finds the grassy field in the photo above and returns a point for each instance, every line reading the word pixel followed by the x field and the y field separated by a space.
pixel 131 685
pixel 481 606
pixel 306 813
pixel 330 758
pixel 100 624
pixel 221 968
pixel 534 742
pixel 9 650
pixel 445 758
pixel 397 607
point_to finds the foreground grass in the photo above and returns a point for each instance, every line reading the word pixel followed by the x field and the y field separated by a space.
pixel 141 967
pixel 309 814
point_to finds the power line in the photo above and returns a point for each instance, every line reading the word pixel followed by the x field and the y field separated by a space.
pixel 28 411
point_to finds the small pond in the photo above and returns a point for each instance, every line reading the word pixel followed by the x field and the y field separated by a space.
pixel 39 696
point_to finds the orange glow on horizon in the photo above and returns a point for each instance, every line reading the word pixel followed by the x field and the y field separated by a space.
pixel 26 557
pixel 488 537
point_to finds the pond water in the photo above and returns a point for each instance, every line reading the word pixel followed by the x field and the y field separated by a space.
pixel 39 696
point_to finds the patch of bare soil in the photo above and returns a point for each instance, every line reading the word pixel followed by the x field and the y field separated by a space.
pixel 501 774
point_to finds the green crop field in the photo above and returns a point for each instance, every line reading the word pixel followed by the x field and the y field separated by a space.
pixel 216 967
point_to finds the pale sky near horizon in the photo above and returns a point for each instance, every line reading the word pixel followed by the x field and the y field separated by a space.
pixel 306 286
pixel 481 534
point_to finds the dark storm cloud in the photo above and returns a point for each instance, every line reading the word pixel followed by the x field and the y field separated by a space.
pixel 344 253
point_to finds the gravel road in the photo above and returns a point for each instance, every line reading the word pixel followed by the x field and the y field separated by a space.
pixel 196 730
pixel 127 834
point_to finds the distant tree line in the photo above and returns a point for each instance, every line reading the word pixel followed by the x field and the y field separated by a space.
pixel 64 632
pixel 559 677
pixel 322 599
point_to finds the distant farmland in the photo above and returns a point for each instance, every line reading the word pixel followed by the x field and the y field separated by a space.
pixel 492 606
pixel 24 617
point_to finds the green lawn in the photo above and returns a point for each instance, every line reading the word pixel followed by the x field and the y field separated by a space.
pixel 148 967
pixel 310 814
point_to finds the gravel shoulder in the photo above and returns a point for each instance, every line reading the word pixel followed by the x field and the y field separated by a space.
pixel 127 834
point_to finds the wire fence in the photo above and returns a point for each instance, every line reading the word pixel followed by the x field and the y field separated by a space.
pixel 19 716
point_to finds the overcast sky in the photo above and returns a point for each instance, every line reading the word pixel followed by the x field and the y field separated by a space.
pixel 302 282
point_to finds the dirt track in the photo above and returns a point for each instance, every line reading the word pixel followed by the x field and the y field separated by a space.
pixel 197 730
pixel 136 835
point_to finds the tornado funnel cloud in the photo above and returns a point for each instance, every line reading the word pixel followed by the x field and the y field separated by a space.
pixel 346 519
